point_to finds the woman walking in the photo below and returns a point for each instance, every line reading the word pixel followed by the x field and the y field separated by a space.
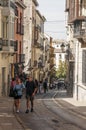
pixel 18 88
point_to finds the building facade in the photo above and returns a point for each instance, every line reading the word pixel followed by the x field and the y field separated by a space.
pixel 76 11
pixel 38 55
pixel 11 37
pixel 29 23
pixel 60 55
pixel 7 40
pixel 19 57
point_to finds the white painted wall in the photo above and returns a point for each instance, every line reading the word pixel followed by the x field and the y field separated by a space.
pixel 27 39
pixel 59 55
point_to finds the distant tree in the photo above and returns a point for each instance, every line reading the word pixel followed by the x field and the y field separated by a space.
pixel 62 70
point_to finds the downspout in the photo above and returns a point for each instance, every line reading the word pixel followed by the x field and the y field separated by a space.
pixel 77 67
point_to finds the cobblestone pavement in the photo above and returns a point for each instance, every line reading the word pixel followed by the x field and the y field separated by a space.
pixel 49 113
pixel 7 118
pixel 46 115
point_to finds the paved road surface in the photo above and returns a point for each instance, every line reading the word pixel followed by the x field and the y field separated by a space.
pixel 49 116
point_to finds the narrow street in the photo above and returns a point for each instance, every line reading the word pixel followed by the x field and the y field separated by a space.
pixel 50 115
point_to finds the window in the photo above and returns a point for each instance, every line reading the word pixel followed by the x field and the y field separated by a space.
pixel 60 56
pixel 11 31
pixel 5 27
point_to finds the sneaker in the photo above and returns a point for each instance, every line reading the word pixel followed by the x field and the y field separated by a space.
pixel 31 109
pixel 17 111
pixel 27 111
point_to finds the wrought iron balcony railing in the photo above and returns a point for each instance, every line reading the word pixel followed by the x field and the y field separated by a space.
pixel 79 29
pixel 35 63
pixel 79 33
pixel 21 58
pixel 7 46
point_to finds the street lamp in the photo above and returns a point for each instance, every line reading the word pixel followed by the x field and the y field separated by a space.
pixel 62 47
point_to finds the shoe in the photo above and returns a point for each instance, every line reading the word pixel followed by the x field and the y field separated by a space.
pixel 17 111
pixel 31 109
pixel 27 111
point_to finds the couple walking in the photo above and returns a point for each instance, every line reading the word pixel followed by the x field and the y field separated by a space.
pixel 30 90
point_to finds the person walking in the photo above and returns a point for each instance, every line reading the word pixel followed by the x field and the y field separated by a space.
pixel 37 84
pixel 45 85
pixel 40 86
pixel 31 89
pixel 18 88
pixel 12 84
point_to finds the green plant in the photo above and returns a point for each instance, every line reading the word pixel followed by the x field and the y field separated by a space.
pixel 62 70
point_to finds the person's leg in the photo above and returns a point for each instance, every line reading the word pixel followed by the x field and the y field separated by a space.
pixel 32 103
pixel 18 105
pixel 15 103
pixel 27 104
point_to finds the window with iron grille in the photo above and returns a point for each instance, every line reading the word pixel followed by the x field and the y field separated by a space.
pixel 16 45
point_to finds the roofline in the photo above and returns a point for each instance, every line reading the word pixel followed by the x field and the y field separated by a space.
pixel 20 3
pixel 42 17
pixel 36 2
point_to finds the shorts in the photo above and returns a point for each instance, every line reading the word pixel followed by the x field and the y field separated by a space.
pixel 18 97
pixel 29 97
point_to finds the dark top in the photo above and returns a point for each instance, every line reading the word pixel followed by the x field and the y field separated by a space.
pixel 45 84
pixel 30 87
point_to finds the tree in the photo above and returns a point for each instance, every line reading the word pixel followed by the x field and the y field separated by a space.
pixel 62 70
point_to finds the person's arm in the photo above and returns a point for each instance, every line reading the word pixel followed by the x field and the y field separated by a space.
pixel 35 90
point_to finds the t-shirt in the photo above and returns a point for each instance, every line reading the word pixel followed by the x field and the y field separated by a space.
pixel 45 84
pixel 19 88
pixel 30 87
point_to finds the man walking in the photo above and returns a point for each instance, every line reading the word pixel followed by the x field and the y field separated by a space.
pixel 45 85
pixel 30 92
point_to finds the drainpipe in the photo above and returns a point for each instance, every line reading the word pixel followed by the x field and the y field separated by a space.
pixel 77 69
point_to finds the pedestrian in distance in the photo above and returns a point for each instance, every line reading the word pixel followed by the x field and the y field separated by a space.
pixel 40 86
pixel 18 91
pixel 12 84
pixel 31 89
pixel 45 85
pixel 37 84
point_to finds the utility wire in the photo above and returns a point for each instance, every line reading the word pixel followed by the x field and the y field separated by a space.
pixel 55 21
pixel 54 32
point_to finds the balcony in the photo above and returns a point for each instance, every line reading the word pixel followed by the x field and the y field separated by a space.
pixel 16 46
pixel 40 62
pixel 79 33
pixel 35 63
pixel 52 55
pixel 79 29
pixel 39 45
pixel 21 58
pixel 7 46
pixel 7 6
pixel 47 47
pixel 20 29
pixel 20 3
pixel 52 66
pixel 16 11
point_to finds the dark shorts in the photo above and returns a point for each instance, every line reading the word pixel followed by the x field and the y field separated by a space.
pixel 18 97
pixel 29 97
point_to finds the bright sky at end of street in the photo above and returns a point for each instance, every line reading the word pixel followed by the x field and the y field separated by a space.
pixel 54 12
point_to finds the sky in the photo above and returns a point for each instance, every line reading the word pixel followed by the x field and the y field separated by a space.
pixel 54 12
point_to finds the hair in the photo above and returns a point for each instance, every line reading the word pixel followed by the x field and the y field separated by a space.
pixel 13 79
